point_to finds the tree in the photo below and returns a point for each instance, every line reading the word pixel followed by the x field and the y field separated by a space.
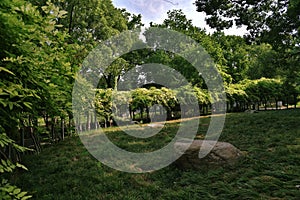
pixel 90 20
pixel 274 22
pixel 236 55
pixel 88 23
pixel 178 21
pixel 262 60
pixel 37 57
pixel 31 58
pixel 133 21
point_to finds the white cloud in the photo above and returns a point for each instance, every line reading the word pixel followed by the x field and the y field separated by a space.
pixel 151 10
pixel 156 11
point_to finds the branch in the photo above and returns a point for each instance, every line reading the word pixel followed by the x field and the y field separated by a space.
pixel 175 4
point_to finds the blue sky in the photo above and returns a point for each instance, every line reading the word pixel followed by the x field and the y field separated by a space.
pixel 156 11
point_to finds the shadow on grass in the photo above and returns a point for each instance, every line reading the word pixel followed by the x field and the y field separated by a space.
pixel 270 169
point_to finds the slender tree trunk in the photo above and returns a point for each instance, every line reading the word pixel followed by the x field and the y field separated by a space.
pixel 22 136
pixel 141 113
pixel 116 78
pixel 96 121
pixel 32 124
pixel 105 123
pixel 88 121
pixel 71 19
pixel 62 128
pixel 46 118
pixel 79 125
pixel 34 140
pixel 53 122
pixel 148 114
pixel 130 112
pixel 169 114
pixel 265 102
pixel 70 122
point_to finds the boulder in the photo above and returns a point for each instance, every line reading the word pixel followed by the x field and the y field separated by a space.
pixel 222 153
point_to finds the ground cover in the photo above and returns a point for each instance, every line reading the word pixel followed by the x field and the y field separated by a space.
pixel 270 169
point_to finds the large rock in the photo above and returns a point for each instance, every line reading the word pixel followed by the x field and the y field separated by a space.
pixel 222 153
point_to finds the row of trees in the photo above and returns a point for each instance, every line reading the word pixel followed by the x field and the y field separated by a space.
pixel 43 44
pixel 139 104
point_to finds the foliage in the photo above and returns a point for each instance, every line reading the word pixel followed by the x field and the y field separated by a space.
pixel 269 22
pixel 103 103
pixel 8 191
pixel 274 22
pixel 35 73
pixel 178 21
pixel 248 92
pixel 88 21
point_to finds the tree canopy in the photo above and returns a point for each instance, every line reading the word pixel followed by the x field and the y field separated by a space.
pixel 274 22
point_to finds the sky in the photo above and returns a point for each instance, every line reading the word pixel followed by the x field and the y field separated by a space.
pixel 156 11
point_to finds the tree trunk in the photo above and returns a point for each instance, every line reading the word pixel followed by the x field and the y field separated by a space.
pixel 71 20
pixel 130 112
pixel 88 121
pixel 96 121
pixel 34 140
pixel 105 123
pixel 116 78
pixel 53 122
pixel 70 122
pixel 46 119
pixel 148 114
pixel 141 113
pixel 62 128
pixel 79 126
pixel 22 136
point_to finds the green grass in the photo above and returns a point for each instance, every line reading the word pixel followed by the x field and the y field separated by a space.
pixel 270 169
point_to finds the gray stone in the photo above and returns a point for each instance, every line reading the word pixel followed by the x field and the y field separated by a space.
pixel 251 111
pixel 222 153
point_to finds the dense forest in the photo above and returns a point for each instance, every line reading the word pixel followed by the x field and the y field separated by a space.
pixel 44 43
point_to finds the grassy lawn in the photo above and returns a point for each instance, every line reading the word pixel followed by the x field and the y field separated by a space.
pixel 270 169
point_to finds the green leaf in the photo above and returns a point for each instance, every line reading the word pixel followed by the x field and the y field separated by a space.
pixel 16 191
pixel 11 105
pixel 21 166
pixel 21 194
pixel 26 197
pixel 10 189
pixel 28 105
pixel 6 70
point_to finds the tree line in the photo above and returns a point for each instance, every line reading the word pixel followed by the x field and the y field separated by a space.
pixel 264 93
